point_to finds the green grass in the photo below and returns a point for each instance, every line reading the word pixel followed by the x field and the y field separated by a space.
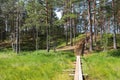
pixel 38 65
pixel 102 66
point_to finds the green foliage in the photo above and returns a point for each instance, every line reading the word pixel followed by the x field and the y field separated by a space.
pixel 38 65
pixel 108 40
pixel 71 15
pixel 105 40
pixel 114 53
pixel 118 40
pixel 36 13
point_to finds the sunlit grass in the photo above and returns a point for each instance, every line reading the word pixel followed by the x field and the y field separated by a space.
pixel 102 66
pixel 37 65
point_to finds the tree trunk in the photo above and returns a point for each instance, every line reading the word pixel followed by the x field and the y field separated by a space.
pixel 114 31
pixel 6 24
pixel 17 34
pixel 36 38
pixel 86 38
pixel 66 33
pixel 47 28
pixel 19 31
pixel 117 27
pixel 70 22
pixel 90 23
pixel 13 30
pixel 71 40
pixel 74 30
pixel 101 35
pixel 108 25
pixel 94 23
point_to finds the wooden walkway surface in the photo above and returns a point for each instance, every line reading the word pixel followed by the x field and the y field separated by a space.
pixel 78 69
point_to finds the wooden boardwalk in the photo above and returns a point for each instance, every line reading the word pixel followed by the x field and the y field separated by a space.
pixel 78 69
pixel 78 50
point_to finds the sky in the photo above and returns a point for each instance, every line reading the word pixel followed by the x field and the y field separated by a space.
pixel 59 14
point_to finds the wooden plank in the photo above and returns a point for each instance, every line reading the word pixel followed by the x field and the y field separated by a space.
pixel 78 70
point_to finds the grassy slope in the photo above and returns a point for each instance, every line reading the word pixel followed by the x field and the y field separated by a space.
pixel 38 65
pixel 63 43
